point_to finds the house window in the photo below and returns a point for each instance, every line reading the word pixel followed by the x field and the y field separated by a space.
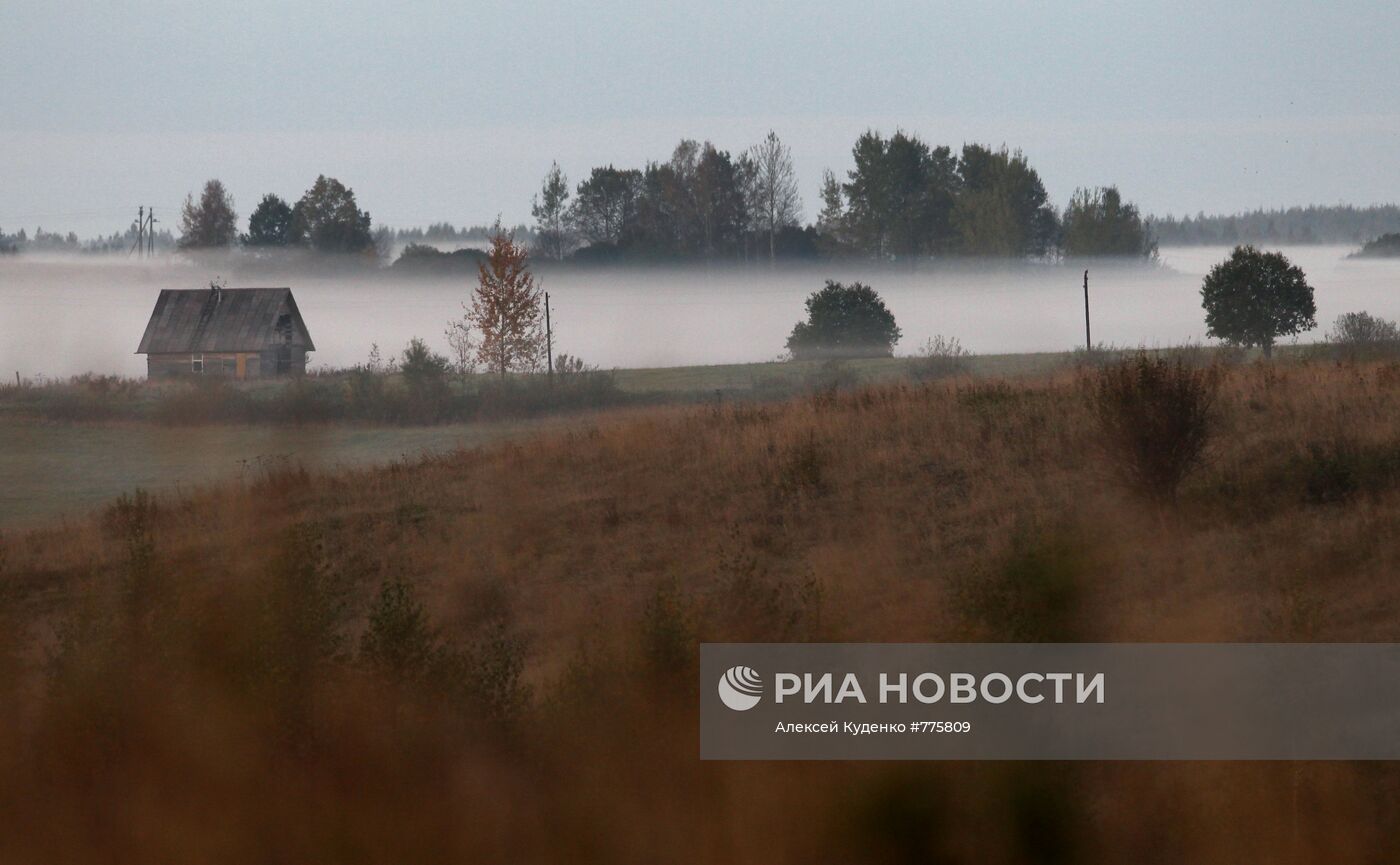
pixel 196 363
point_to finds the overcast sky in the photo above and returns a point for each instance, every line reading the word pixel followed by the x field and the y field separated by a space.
pixel 449 111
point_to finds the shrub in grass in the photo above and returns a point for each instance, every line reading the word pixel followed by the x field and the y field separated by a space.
pixel 940 357
pixel 398 643
pixel 1338 470
pixel 1035 595
pixel 483 679
pixel 1099 356
pixel 1361 336
pixel 844 321
pixel 1155 416
pixel 667 634
pixel 828 378
pixel 495 667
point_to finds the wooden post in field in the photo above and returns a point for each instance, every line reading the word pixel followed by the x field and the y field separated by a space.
pixel 548 338
pixel 1088 341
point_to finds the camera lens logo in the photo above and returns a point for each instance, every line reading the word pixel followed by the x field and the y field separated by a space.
pixel 740 688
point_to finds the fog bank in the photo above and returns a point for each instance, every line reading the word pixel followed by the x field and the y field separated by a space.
pixel 65 317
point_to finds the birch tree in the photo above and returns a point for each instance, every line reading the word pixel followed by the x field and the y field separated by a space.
pixel 775 189
pixel 507 309
pixel 551 212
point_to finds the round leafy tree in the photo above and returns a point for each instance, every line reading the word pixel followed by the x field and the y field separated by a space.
pixel 844 321
pixel 1252 298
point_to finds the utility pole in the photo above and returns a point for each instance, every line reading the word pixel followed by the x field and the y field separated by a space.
pixel 1088 341
pixel 140 245
pixel 151 231
pixel 548 338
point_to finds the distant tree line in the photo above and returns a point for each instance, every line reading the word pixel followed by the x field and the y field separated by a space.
pixel 1337 224
pixel 446 232
pixel 325 219
pixel 1385 246
pixel 52 241
pixel 702 203
pixel 904 199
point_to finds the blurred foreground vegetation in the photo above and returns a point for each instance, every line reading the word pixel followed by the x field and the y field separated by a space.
pixel 418 661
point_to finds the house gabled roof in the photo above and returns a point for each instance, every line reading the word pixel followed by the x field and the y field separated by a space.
pixel 220 320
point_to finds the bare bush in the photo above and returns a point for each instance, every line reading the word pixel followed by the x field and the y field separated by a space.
pixel 463 346
pixel 566 365
pixel 940 357
pixel 1155 415
pixel 1362 336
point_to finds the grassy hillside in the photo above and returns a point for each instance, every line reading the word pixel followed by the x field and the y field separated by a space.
pixel 489 655
pixel 72 445
pixel 741 377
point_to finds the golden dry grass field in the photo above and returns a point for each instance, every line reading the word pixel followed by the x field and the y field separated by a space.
pixel 489 655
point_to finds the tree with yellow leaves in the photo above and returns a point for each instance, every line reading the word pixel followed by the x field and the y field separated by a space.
pixel 507 308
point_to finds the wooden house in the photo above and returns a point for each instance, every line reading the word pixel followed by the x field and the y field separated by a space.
pixel 237 332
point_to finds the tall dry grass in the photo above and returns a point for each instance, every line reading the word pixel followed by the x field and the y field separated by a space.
pixel 490 656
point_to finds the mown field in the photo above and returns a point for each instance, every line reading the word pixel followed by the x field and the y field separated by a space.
pixel 51 470
pixel 70 447
pixel 489 655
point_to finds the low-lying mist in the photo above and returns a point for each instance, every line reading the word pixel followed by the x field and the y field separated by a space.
pixel 68 316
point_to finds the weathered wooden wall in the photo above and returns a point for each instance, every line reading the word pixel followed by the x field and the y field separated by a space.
pixel 255 365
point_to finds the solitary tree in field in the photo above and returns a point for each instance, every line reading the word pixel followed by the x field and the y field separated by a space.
pixel 507 309
pixel 551 212
pixel 844 321
pixel 1252 298
pixel 778 203
pixel 210 222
